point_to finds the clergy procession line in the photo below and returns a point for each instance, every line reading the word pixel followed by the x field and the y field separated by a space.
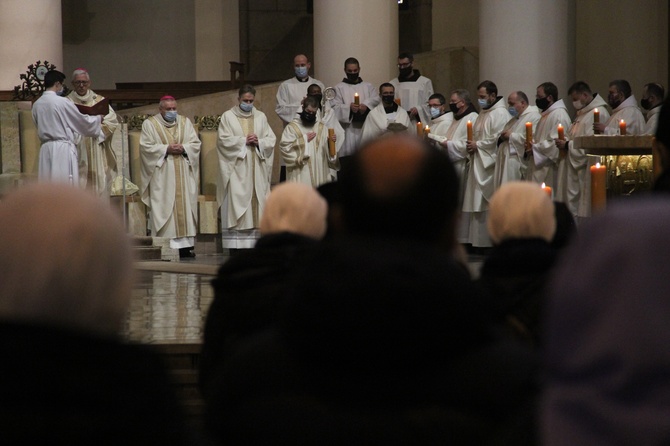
pixel 324 127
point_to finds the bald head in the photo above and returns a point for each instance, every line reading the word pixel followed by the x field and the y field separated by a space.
pixel 397 184
pixel 66 260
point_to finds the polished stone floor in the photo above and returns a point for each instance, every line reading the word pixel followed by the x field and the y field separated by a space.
pixel 170 299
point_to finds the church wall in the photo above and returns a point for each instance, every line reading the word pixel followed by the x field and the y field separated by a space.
pixel 129 40
pixel 455 23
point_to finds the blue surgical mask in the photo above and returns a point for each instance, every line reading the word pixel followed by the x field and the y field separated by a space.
pixel 483 102
pixel 245 107
pixel 301 72
pixel 434 112
pixel 171 115
pixel 513 112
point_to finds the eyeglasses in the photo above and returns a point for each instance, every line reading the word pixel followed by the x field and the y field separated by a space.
pixel 81 82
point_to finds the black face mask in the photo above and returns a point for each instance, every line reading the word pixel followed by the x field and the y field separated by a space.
pixel 352 77
pixel 613 101
pixel 405 72
pixel 453 108
pixel 645 104
pixel 388 99
pixel 308 118
pixel 542 103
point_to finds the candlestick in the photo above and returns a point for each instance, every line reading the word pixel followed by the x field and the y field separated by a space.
pixel 529 132
pixel 561 132
pixel 622 127
pixel 598 187
pixel 596 118
pixel 357 99
pixel 547 189
pixel 419 129
pixel 331 144
pixel 470 137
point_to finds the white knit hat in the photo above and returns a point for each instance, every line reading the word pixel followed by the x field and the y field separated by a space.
pixel 295 207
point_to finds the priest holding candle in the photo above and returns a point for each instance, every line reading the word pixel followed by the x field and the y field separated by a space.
pixel 441 116
pixel 386 117
pixel 510 162
pixel 575 188
pixel 624 106
pixel 483 151
pixel 354 98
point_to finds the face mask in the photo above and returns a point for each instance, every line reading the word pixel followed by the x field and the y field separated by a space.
pixel 352 77
pixel 405 72
pixel 513 112
pixel 483 103
pixel 308 118
pixel 245 107
pixel 435 112
pixel 453 108
pixel 613 101
pixel 388 99
pixel 171 115
pixel 542 103
pixel 578 105
pixel 645 104
pixel 301 72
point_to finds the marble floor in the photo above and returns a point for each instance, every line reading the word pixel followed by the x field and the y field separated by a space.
pixel 170 299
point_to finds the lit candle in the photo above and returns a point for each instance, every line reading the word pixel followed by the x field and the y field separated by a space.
pixel 331 143
pixel 547 189
pixel 426 131
pixel 529 132
pixel 397 101
pixel 561 132
pixel 357 100
pixel 596 118
pixel 622 127
pixel 470 137
pixel 419 129
pixel 598 187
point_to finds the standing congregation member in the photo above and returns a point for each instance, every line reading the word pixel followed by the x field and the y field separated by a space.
pixel 170 154
pixel 58 122
pixel 351 115
pixel 510 163
pixel 577 193
pixel 624 106
pixel 304 148
pixel 388 116
pixel 544 151
pixel 97 160
pixel 246 152
pixel 412 89
pixel 482 152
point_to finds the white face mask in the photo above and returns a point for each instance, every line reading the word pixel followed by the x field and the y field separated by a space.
pixel 434 112
pixel 578 105
pixel 301 72
pixel 483 102
pixel 171 115
pixel 245 107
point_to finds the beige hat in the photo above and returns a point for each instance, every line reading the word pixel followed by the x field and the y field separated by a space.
pixel 295 207
pixel 521 210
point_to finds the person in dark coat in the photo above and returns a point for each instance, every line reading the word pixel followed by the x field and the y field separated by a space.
pixel 67 377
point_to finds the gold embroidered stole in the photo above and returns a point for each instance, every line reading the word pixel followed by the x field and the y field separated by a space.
pixel 300 141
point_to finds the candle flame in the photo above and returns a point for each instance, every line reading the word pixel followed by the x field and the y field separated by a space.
pixel 595 110
pixel 623 122
pixel 543 185
pixel 597 165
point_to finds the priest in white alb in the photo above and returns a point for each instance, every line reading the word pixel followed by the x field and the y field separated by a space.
pixel 245 146
pixel 170 155
pixel 305 148
pixel 97 160
pixel 292 91
pixel 412 89
pixel 386 117
pixel 624 106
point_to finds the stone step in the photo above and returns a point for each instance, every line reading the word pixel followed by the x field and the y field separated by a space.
pixel 147 253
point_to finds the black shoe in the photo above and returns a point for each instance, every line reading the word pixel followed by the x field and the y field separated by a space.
pixel 185 253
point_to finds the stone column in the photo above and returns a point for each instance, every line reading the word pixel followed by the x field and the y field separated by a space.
pixel 217 38
pixel 366 30
pixel 30 30
pixel 526 42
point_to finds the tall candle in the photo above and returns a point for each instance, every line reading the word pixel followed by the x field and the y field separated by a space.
pixel 529 132
pixel 596 118
pixel 622 127
pixel 426 131
pixel 470 137
pixel 598 187
pixel 561 132
pixel 357 99
pixel 547 189
pixel 419 129
pixel 331 144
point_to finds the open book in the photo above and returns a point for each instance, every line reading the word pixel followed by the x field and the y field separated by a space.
pixel 101 108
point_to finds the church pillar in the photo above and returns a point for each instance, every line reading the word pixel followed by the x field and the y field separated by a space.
pixel 366 30
pixel 217 38
pixel 30 30
pixel 524 43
